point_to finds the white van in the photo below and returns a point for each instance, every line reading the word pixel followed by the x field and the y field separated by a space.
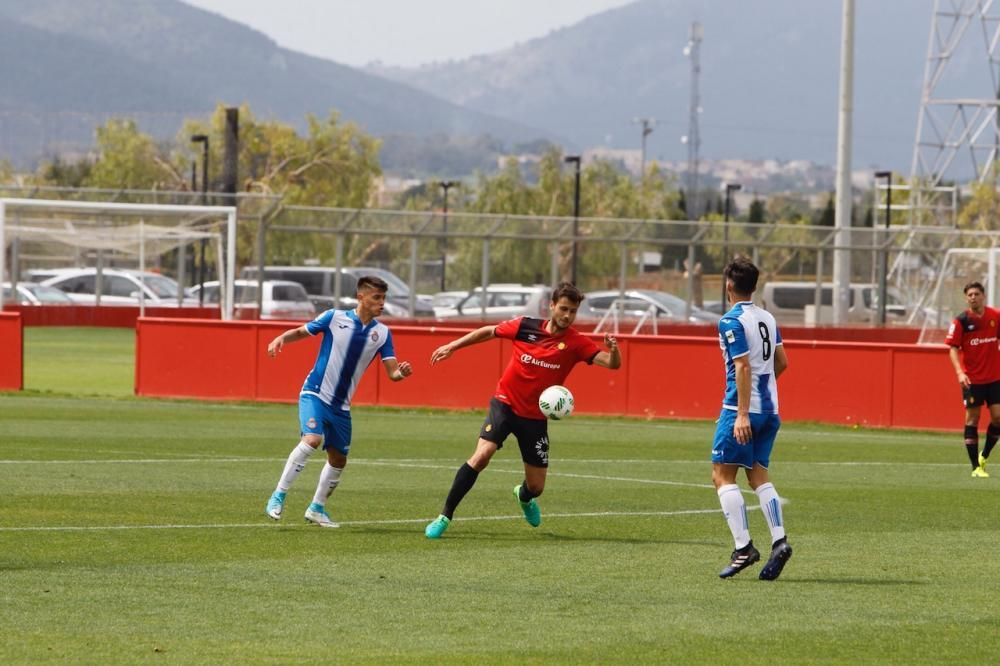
pixel 788 301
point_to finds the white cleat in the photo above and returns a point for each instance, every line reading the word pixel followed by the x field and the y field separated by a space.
pixel 317 515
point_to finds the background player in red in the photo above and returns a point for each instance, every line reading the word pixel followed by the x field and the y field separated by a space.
pixel 544 353
pixel 972 339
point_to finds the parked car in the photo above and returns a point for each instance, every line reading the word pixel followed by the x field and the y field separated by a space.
pixel 32 293
pixel 502 301
pixel 118 287
pixel 787 301
pixel 634 303
pixel 320 284
pixel 445 301
pixel 283 299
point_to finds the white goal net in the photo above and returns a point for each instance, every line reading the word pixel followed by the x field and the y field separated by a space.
pixel 959 267
pixel 67 231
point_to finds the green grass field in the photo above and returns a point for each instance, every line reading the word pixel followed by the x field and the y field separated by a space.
pixel 132 531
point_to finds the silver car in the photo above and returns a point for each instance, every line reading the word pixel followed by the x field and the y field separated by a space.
pixel 634 303
pixel 283 299
pixel 32 293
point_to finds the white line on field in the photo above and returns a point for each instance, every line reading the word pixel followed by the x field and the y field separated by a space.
pixel 441 462
pixel 358 523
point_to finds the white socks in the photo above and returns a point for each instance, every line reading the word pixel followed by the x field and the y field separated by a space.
pixel 297 460
pixel 770 505
pixel 735 510
pixel 328 480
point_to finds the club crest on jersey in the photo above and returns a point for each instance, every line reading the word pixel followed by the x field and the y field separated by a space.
pixel 561 346
pixel 311 423
pixel 489 427
pixel 730 337
pixel 374 336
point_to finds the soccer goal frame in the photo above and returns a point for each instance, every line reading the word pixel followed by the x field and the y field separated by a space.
pixel 161 210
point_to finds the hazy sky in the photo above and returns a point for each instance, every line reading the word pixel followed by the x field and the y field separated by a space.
pixel 403 32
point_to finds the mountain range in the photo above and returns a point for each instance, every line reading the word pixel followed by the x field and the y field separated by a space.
pixel 769 76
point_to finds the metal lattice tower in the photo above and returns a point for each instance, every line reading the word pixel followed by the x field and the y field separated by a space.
pixel 958 135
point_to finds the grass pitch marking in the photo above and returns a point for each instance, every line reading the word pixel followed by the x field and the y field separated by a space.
pixel 357 523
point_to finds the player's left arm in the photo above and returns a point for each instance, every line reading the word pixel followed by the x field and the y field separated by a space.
pixel 780 361
pixel 741 429
pixel 397 370
pixel 612 358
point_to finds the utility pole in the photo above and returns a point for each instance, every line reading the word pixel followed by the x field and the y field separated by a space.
pixel 647 129
pixel 445 185
pixel 693 138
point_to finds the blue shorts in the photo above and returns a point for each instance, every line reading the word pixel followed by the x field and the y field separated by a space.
pixel 318 418
pixel 727 451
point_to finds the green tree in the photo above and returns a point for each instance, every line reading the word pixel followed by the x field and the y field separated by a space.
pixel 60 173
pixel 756 213
pixel 129 159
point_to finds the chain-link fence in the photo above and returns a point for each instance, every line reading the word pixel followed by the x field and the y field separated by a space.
pixel 434 251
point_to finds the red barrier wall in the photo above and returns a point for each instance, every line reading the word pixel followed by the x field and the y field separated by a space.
pixel 110 316
pixel 843 383
pixel 11 352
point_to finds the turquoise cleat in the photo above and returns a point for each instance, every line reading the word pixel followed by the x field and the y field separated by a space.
pixel 436 527
pixel 275 505
pixel 530 508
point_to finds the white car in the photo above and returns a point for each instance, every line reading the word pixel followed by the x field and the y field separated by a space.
pixel 502 301
pixel 32 293
pixel 118 287
pixel 283 299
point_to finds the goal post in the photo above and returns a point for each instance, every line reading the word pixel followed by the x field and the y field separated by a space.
pixel 58 214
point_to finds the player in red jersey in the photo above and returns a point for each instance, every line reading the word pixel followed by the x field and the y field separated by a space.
pixel 972 341
pixel 544 353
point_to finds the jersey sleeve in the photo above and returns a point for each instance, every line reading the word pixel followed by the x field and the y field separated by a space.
pixel 954 336
pixel 777 335
pixel 508 329
pixel 320 323
pixel 386 351
pixel 587 349
pixel 733 337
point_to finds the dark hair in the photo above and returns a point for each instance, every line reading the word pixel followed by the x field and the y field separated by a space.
pixel 743 274
pixel 372 282
pixel 567 290
pixel 973 285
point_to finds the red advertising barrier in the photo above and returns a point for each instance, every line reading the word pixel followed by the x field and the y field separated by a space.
pixel 11 352
pixel 845 383
pixel 110 316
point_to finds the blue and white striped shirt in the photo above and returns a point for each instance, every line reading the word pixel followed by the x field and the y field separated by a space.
pixel 747 330
pixel 347 349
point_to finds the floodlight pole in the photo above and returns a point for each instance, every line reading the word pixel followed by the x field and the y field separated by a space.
pixel 575 159
pixel 445 185
pixel 730 188
pixel 202 139
pixel 883 273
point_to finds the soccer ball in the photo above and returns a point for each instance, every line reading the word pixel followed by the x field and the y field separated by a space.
pixel 556 402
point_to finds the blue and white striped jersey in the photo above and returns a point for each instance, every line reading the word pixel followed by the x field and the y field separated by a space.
pixel 747 330
pixel 347 349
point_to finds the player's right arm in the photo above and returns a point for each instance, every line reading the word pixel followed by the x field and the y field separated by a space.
pixel 291 335
pixel 475 337
pixel 956 361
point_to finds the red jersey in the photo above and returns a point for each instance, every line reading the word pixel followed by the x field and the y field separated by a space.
pixel 976 336
pixel 540 360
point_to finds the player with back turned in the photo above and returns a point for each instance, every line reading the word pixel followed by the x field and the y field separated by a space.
pixel 972 348
pixel 754 358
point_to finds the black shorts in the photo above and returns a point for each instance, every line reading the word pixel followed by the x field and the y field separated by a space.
pixel 977 394
pixel 532 434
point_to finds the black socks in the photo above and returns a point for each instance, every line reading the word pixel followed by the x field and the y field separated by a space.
pixel 465 478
